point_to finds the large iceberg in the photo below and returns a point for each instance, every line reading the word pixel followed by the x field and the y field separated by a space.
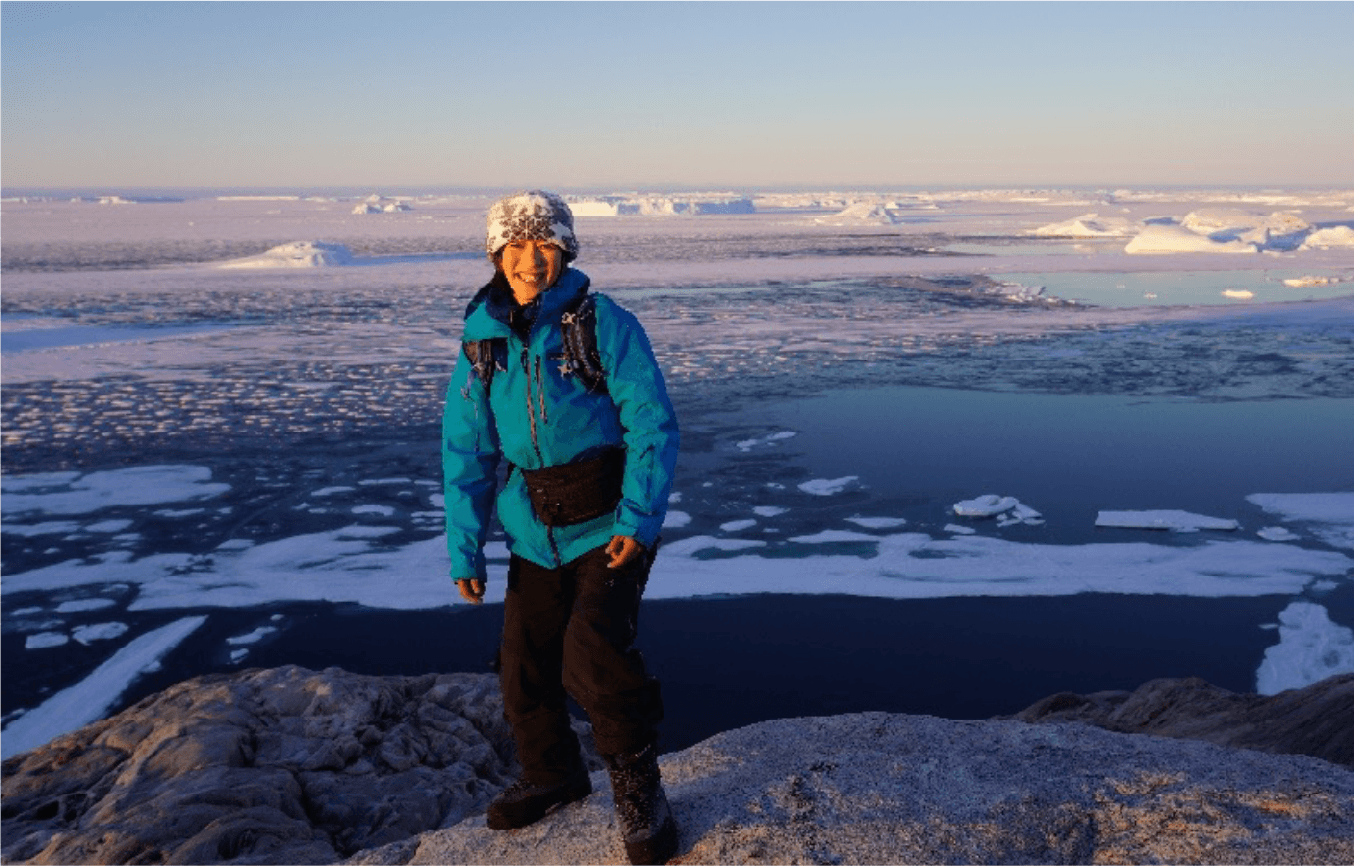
pixel 1228 230
pixel 1332 236
pixel 1158 238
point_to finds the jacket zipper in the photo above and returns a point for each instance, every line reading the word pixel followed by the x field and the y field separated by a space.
pixel 531 404
pixel 536 445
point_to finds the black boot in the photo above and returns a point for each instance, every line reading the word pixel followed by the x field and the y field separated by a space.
pixel 526 802
pixel 642 810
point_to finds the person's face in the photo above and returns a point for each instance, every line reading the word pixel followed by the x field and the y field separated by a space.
pixel 531 267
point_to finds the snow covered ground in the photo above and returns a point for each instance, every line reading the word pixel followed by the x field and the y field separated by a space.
pixel 230 405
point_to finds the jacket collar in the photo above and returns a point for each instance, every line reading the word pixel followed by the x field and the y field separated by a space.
pixel 488 313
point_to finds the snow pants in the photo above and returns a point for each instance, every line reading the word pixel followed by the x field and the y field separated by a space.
pixel 572 630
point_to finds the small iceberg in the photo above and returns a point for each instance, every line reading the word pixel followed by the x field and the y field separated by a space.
pixel 1088 226
pixel 1007 509
pixel 297 254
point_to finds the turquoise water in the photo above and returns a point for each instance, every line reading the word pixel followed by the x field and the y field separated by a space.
pixel 1140 289
pixel 25 340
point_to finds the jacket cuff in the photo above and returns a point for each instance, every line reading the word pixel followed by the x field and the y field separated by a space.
pixel 645 532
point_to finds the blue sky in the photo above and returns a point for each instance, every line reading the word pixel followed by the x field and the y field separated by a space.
pixel 618 95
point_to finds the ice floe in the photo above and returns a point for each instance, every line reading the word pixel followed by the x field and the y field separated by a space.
pixel 1276 533
pixel 737 525
pixel 49 527
pixel 46 640
pixel 85 604
pixel 1311 648
pixel 253 637
pixel 354 565
pixel 833 536
pixel 676 519
pixel 381 510
pixel 88 634
pixel 697 543
pixel 761 441
pixel 1329 516
pixel 828 486
pixel 89 700
pixel 1306 282
pixel 769 510
pixel 915 565
pixel 1007 509
pixel 1172 519
pixel 332 491
pixel 878 522
pixel 107 526
pixel 72 493
pixel 985 506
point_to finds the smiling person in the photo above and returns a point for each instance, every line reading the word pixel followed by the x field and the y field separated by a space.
pixel 561 385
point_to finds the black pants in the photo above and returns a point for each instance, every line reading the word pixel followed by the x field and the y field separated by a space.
pixel 572 629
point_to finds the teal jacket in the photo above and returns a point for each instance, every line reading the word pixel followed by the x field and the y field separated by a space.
pixel 535 416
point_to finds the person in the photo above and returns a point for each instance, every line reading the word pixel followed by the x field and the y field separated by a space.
pixel 589 466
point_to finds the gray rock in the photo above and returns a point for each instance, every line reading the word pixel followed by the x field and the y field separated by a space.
pixel 264 766
pixel 293 766
pixel 879 788
pixel 1315 720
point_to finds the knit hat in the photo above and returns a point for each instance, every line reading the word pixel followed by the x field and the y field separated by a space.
pixel 534 215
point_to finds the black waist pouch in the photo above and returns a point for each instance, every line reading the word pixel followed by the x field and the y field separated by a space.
pixel 576 492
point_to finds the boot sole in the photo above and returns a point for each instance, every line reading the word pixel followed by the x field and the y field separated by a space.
pixel 657 849
pixel 501 821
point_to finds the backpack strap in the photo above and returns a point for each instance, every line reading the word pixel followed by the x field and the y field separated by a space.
pixel 578 332
pixel 486 356
pixel 578 336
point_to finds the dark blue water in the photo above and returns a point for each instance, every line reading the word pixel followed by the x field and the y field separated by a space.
pixel 920 450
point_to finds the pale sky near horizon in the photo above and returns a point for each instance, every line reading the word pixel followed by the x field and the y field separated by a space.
pixel 588 95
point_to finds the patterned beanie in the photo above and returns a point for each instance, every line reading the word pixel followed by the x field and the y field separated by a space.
pixel 535 215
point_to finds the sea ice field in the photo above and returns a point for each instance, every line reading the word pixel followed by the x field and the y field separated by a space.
pixel 943 451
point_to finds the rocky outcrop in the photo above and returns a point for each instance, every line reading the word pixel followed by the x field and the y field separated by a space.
pixel 879 788
pixel 265 766
pixel 1315 720
pixel 293 766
